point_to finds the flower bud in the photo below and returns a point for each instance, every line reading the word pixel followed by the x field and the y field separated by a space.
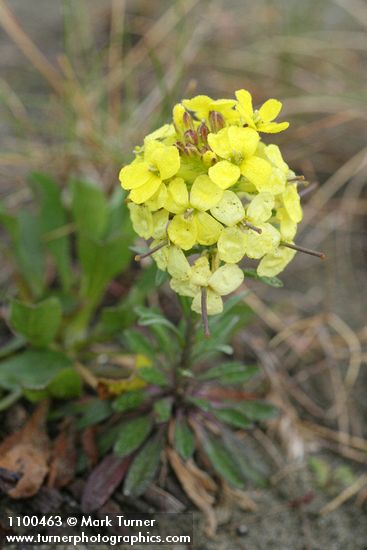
pixel 190 150
pixel 216 121
pixel 187 121
pixel 203 131
pixel 191 137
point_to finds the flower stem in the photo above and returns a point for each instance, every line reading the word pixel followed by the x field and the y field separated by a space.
pixel 204 312
pixel 305 250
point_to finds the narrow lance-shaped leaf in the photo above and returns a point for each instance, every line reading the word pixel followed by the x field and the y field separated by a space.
pixel 144 466
pixel 222 461
pixel 184 439
pixel 230 373
pixel 132 434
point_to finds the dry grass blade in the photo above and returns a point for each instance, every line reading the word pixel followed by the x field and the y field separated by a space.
pixel 345 495
pixel 29 49
pixel 354 345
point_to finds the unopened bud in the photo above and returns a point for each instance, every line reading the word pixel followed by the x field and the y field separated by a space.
pixel 203 131
pixel 216 120
pixel 190 150
pixel 191 137
pixel 187 121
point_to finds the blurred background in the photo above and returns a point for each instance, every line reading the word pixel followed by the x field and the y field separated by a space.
pixel 83 81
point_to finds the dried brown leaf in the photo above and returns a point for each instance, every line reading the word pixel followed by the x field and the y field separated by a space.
pixel 27 452
pixel 193 485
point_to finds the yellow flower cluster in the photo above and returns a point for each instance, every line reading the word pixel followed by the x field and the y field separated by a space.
pixel 208 192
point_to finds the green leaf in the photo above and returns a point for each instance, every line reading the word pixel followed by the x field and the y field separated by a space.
pixel 148 317
pixel 129 400
pixel 32 369
pixel 101 261
pixel 184 439
pixel 154 376
pixel 233 417
pixel 136 342
pixel 13 345
pixel 38 323
pixel 53 220
pixel 93 412
pixel 29 252
pixel 258 410
pixel 90 210
pixel 252 470
pixel 230 373
pixel 271 281
pixel 201 403
pixel 116 318
pixel 144 466
pixel 222 460
pixel 66 384
pixel 132 434
pixel 162 409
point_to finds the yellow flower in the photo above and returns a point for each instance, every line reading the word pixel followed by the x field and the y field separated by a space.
pixel 229 210
pixel 231 245
pixel 144 177
pixel 238 147
pixel 260 208
pixel 257 245
pixel 272 264
pixel 292 203
pixel 191 225
pixel 223 281
pixel 262 118
pixel 202 105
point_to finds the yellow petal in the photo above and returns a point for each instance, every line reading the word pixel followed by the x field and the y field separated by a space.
pixel 229 209
pixel 224 174
pixel 146 191
pixel 274 155
pixel 219 143
pixel 177 200
pixel 272 127
pixel 208 229
pixel 156 202
pixel 292 203
pixel 200 272
pixel 184 288
pixel 214 303
pixel 243 141
pixel 183 231
pixel 257 245
pixel 226 279
pixel 200 105
pixel 167 160
pixel 231 245
pixel 164 133
pixel 142 220
pixel 257 171
pixel 274 263
pixel 160 220
pixel 244 106
pixel 288 228
pixel 161 256
pixel 260 208
pixel 134 175
pixel 177 115
pixel 204 193
pixel 177 265
pixel 270 110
